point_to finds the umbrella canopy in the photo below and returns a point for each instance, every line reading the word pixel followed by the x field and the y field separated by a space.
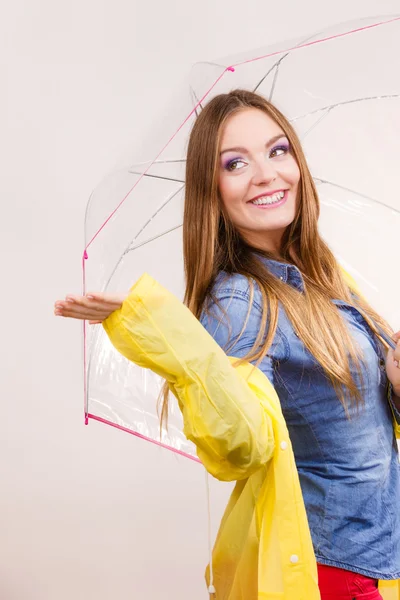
pixel 340 89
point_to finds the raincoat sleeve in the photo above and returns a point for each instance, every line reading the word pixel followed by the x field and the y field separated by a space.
pixel 224 415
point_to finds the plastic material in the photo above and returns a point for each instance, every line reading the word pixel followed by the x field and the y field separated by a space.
pixel 341 90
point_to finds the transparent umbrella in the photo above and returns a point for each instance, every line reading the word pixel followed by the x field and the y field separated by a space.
pixel 340 88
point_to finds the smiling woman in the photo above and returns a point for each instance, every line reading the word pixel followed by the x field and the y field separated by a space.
pixel 269 290
pixel 308 434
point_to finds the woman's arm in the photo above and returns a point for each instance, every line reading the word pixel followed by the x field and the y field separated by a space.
pixel 227 416
pixel 231 324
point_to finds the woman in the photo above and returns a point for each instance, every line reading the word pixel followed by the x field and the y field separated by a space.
pixel 269 291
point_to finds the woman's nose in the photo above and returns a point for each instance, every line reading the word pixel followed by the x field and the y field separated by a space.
pixel 264 172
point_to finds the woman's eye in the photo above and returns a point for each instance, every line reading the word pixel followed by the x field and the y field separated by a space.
pixel 279 151
pixel 233 165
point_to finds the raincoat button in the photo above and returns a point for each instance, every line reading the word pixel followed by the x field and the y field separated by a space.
pixel 294 559
pixel 283 445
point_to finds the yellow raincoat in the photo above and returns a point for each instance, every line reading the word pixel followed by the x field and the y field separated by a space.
pixel 232 414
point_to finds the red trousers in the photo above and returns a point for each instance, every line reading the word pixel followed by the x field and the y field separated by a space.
pixel 338 584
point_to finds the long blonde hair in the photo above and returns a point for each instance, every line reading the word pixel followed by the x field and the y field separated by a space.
pixel 211 244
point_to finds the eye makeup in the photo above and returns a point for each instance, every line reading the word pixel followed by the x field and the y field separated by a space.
pixel 283 146
pixel 280 149
pixel 228 165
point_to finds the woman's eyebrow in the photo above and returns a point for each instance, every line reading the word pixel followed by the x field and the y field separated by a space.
pixel 244 150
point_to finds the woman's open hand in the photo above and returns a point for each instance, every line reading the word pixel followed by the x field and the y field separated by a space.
pixel 94 308
pixel 393 365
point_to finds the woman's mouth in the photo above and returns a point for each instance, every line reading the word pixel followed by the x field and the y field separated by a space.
pixel 270 201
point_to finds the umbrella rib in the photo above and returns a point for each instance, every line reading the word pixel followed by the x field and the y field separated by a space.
pixel 142 229
pixel 159 162
pixel 157 177
pixel 278 64
pixel 198 102
pixel 156 237
pixel 168 200
pixel 346 189
pixel 274 82
pixel 322 117
pixel 332 106
pixel 129 249
pixel 274 66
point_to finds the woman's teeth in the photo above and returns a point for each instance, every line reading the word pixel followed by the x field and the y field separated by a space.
pixel 269 199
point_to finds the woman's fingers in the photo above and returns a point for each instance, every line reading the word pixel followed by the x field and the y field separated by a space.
pixel 113 299
pixel 99 299
pixel 92 302
pixel 92 307
pixel 98 302
pixel 83 301
pixel 82 311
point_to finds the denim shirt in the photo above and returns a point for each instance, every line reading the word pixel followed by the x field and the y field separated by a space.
pixel 349 468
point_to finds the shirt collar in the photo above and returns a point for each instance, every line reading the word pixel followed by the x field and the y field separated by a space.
pixel 285 272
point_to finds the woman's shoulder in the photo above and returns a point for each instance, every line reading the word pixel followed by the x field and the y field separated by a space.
pixel 234 285
pixel 232 303
pixel 229 308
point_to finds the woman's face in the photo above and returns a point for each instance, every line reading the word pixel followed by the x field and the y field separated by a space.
pixel 258 178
